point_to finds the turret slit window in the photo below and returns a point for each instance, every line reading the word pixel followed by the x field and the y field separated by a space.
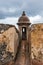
pixel 23 33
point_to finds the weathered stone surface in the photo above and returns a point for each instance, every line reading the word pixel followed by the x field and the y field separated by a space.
pixel 23 54
pixel 8 35
pixel 36 62
pixel 37 41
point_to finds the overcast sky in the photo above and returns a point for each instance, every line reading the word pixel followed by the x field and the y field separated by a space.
pixel 10 10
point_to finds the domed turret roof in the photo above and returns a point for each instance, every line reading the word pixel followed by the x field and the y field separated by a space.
pixel 23 18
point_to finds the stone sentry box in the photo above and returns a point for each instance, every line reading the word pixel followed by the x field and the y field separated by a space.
pixel 23 26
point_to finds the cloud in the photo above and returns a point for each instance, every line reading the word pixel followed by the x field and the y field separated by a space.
pixel 36 19
pixel 9 20
pixel 8 10
pixel 14 8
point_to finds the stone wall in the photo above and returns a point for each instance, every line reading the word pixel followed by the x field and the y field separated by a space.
pixel 9 41
pixel 37 41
